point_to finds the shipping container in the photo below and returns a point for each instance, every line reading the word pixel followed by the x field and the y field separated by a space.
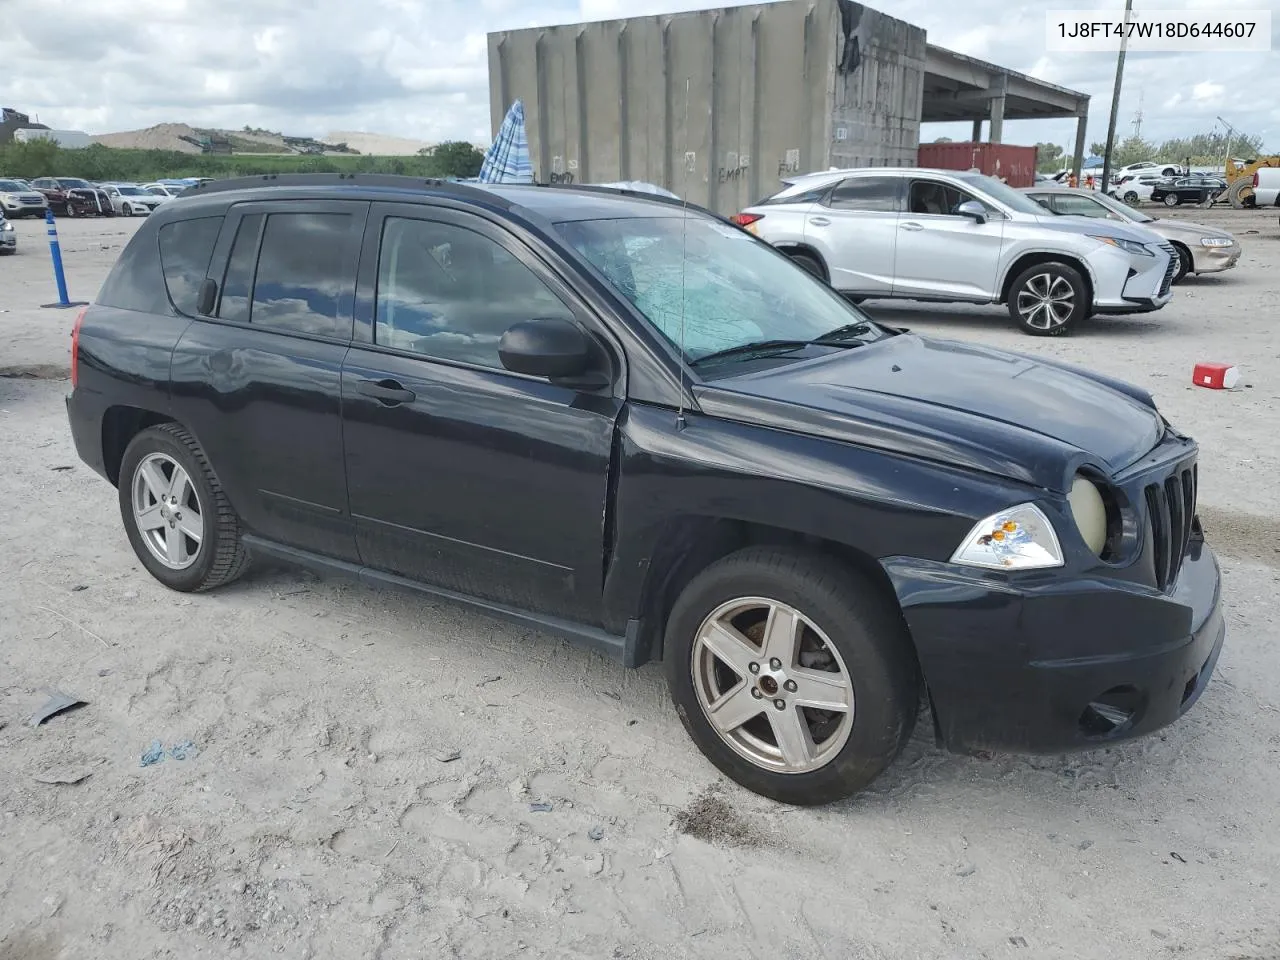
pixel 69 139
pixel 1015 165
pixel 715 105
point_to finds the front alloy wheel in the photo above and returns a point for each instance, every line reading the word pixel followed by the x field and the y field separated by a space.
pixel 764 651
pixel 773 685
pixel 1046 300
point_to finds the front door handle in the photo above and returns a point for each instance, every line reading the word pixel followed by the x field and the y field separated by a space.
pixel 389 393
pixel 820 221
pixel 910 225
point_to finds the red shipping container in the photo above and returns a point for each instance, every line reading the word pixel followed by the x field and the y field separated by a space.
pixel 1016 165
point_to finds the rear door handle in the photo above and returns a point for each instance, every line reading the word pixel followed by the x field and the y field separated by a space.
pixel 820 221
pixel 390 393
pixel 910 225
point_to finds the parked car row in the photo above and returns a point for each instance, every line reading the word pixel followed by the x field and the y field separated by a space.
pixel 77 197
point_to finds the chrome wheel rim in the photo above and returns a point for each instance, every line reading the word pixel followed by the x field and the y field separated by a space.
pixel 1046 301
pixel 772 685
pixel 167 511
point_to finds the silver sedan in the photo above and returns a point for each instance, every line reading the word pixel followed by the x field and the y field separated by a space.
pixel 1200 249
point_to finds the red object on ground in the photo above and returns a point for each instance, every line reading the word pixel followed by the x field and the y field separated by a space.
pixel 1015 165
pixel 1215 376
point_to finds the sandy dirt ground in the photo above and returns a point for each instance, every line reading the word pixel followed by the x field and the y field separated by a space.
pixel 374 775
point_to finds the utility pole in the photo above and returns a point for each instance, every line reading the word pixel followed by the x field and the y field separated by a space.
pixel 1115 99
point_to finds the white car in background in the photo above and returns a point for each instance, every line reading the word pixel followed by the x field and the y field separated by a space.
pixel 131 200
pixel 1266 187
pixel 1147 168
pixel 1137 187
pixel 166 191
pixel 942 235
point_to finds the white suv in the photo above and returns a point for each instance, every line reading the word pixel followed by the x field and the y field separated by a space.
pixel 941 235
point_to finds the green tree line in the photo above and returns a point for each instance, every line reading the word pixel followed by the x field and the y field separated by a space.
pixel 1204 149
pixel 42 158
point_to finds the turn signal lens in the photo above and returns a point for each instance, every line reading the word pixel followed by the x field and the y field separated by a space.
pixel 1020 538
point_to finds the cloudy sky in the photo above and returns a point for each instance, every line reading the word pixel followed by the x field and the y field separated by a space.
pixel 417 68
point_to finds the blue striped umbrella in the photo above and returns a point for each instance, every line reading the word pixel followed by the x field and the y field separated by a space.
pixel 508 158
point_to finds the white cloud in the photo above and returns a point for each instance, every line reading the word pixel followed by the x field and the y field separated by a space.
pixel 417 68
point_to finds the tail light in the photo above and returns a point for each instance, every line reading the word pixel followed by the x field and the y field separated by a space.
pixel 747 221
pixel 75 347
pixel 1256 179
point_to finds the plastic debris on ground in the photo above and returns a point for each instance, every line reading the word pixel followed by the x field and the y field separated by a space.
pixel 56 704
pixel 157 752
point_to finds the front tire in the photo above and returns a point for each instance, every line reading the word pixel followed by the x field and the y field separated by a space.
pixel 792 674
pixel 1048 299
pixel 1184 264
pixel 181 525
pixel 1131 198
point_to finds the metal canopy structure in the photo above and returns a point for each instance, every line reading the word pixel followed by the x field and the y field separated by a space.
pixel 957 88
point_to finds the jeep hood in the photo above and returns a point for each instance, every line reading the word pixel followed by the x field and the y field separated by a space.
pixel 971 406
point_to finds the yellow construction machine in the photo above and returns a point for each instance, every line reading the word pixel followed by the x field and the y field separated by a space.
pixel 1239 176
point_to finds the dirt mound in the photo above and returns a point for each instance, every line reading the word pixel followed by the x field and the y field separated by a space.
pixel 163 136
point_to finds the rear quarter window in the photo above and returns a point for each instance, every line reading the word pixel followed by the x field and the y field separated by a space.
pixel 186 247
pixel 136 282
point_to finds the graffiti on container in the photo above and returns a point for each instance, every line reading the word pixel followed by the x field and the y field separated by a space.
pixel 735 167
pixel 562 178
pixel 790 162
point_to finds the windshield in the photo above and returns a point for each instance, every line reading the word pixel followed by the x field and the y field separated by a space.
pixel 1003 193
pixel 12 186
pixel 1123 210
pixel 724 287
pixel 72 183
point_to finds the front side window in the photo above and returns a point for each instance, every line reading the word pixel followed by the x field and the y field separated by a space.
pixel 708 287
pixel 451 293
pixel 933 198
pixel 302 278
pixel 867 194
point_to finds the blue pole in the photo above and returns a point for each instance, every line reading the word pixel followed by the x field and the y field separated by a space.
pixel 59 275
pixel 55 250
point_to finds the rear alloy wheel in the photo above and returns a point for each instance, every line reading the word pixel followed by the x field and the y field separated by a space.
pixel 178 520
pixel 810 263
pixel 794 676
pixel 1172 200
pixel 1048 299
pixel 1184 263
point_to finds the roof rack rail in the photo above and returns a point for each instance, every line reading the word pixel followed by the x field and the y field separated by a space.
pixel 636 194
pixel 389 180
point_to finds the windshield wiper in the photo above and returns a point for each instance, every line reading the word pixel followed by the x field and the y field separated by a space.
pixel 847 336
pixel 763 347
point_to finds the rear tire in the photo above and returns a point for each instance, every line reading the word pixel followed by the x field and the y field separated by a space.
pixel 1048 299
pixel 839 641
pixel 809 262
pixel 184 531
pixel 1172 200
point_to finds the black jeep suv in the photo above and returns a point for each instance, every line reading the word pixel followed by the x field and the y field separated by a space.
pixel 627 421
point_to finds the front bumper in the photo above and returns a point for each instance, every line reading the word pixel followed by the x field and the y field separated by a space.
pixel 1129 283
pixel 1214 259
pixel 1036 666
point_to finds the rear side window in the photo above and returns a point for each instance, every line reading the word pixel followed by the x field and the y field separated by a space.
pixel 869 194
pixel 292 272
pixel 186 247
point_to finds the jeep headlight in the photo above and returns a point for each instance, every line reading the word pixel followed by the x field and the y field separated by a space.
pixel 1089 511
pixel 1020 538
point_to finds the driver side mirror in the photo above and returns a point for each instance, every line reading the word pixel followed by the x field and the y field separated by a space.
pixel 554 348
pixel 974 210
